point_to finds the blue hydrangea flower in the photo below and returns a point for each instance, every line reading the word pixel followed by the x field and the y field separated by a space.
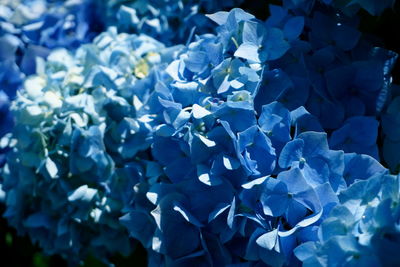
pixel 221 140
pixel 227 130
pixel 362 230
pixel 358 134
pixel 78 131
pixel 261 44
pixel 29 29
pixel 239 125
pixel 337 73
pixel 310 152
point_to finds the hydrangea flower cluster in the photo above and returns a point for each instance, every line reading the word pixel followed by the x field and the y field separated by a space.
pixel 363 230
pixel 72 167
pixel 30 29
pixel 255 143
pixel 347 78
pixel 250 189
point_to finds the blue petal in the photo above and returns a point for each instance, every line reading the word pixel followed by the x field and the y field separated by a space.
pixel 293 27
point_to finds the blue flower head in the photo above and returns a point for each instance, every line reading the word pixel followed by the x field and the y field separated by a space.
pixel 287 211
pixel 261 44
pixel 361 229
pixel 29 29
pixel 310 152
pixel 77 136
pixel 220 140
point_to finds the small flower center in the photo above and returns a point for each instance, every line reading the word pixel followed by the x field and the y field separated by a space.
pixel 302 161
